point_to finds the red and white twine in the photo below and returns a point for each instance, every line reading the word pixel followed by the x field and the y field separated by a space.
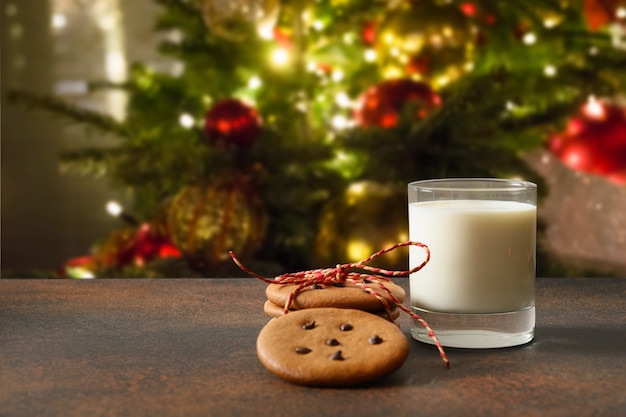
pixel 371 282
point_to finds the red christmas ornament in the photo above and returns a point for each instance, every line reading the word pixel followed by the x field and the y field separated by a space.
pixel 150 244
pixel 231 121
pixel 137 246
pixel 600 13
pixel 594 142
pixel 382 104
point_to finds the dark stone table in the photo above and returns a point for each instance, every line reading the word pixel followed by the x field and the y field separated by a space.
pixel 187 348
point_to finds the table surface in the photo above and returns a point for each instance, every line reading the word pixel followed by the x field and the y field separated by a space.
pixel 186 347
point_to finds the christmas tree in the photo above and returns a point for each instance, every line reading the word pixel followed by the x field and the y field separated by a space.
pixel 293 127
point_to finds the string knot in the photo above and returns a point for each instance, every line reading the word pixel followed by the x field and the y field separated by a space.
pixel 370 279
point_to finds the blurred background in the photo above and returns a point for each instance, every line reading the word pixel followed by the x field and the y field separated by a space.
pixel 58 223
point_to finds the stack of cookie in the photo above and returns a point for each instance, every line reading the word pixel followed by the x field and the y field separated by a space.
pixel 338 295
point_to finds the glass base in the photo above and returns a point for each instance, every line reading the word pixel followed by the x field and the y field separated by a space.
pixel 476 331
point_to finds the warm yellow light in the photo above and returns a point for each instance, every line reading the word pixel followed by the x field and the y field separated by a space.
pixel 337 75
pixel 280 56
pixel 114 208
pixel 358 249
pixel 529 38
pixel 594 109
pixel 343 100
pixel 339 121
pixel 59 21
pixel 254 82
pixel 266 31
pixel 442 81
pixel 341 155
pixel 620 13
pixel 186 120
pixel 550 22
pixel 549 70
pixel 357 188
pixel 413 43
pixel 392 72
pixel 369 55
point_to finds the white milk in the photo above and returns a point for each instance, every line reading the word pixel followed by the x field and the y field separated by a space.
pixel 482 255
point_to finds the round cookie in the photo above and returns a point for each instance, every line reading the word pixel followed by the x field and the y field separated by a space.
pixel 331 347
pixel 346 296
pixel 274 310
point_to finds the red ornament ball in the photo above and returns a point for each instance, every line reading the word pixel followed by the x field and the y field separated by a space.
pixel 382 104
pixel 595 141
pixel 230 121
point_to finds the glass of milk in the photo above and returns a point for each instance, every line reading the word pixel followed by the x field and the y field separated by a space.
pixel 478 290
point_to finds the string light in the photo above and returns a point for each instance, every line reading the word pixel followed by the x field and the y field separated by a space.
pixel 186 120
pixel 318 25
pixel 114 208
pixel 254 82
pixel 337 75
pixel 551 21
pixel 343 100
pixel 594 109
pixel 549 70
pixel 529 38
pixel 266 32
pixel 59 21
pixel 369 55
pixel 510 105
pixel 340 122
pixel 280 56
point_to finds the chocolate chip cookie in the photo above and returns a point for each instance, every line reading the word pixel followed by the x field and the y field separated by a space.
pixel 337 295
pixel 331 347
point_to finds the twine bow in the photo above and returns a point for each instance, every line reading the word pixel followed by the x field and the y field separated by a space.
pixel 370 281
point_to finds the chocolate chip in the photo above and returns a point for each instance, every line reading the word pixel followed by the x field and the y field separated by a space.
pixel 316 287
pixel 302 350
pixel 339 284
pixel 337 356
pixel 332 342
pixel 346 327
pixel 309 325
pixel 375 340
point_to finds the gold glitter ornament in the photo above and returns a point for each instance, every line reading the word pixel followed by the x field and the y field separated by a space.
pixel 220 15
pixel 206 221
pixel 367 217
pixel 437 33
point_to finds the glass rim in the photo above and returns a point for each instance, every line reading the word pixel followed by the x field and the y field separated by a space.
pixel 472 184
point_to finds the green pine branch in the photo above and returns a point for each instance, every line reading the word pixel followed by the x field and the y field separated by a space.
pixel 70 112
